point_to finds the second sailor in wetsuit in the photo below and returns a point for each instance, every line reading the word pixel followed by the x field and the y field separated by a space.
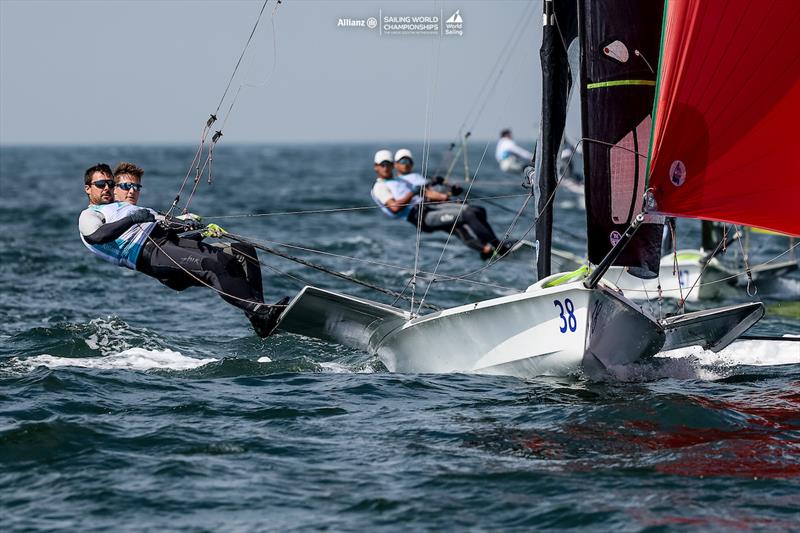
pixel 128 236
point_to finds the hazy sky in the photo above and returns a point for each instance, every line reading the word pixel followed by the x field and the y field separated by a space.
pixel 79 72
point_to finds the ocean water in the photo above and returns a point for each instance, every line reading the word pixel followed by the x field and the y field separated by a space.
pixel 127 406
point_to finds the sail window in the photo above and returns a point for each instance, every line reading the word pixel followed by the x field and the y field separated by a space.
pixel 617 51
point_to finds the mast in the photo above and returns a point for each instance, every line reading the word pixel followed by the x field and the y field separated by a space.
pixel 555 90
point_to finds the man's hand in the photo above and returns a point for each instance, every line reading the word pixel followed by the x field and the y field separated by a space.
pixel 141 216
pixel 212 230
pixel 190 221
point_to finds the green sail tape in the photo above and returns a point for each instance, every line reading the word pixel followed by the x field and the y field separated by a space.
pixel 618 83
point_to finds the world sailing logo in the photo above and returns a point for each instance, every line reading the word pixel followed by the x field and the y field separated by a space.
pixel 456 18
pixel 455 24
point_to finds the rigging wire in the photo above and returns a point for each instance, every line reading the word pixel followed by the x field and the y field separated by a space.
pixel 339 209
pixel 379 263
pixel 241 56
pixel 550 199
pixel 496 72
pixel 200 170
pixel 320 268
pixel 483 95
pixel 452 229
pixel 433 83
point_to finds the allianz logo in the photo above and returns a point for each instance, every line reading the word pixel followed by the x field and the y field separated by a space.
pixel 370 23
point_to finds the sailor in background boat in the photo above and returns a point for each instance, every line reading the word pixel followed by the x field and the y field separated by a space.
pixel 511 156
pixel 400 198
pixel 129 236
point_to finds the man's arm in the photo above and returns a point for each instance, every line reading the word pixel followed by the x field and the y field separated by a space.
pixel 382 194
pixel 95 230
pixel 396 205
pixel 436 196
pixel 520 151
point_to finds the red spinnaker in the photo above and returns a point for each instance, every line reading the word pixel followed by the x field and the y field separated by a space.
pixel 726 138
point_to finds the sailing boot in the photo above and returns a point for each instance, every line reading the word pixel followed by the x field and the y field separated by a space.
pixel 507 246
pixel 264 321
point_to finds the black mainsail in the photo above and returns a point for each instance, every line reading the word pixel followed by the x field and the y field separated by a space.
pixel 619 49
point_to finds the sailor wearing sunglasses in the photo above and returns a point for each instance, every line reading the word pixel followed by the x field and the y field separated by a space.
pixel 113 231
pixel 127 235
pixel 128 179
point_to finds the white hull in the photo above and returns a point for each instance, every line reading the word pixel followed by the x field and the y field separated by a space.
pixel 544 331
pixel 547 330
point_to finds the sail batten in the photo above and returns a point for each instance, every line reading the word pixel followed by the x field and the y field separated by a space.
pixel 725 125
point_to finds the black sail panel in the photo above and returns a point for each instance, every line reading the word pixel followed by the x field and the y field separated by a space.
pixel 620 42
pixel 560 29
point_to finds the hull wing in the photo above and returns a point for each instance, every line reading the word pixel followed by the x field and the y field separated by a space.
pixel 713 329
pixel 340 318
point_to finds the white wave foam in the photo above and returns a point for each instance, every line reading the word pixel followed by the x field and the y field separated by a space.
pixel 743 352
pixel 264 359
pixel 108 337
pixel 334 368
pixel 131 359
pixel 338 368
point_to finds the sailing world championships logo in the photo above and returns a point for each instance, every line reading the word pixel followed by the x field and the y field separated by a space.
pixel 410 25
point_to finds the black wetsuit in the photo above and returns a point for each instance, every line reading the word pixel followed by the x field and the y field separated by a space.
pixel 182 263
pixel 471 224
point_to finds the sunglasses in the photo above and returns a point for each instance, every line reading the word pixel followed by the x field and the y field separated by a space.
pixel 129 186
pixel 386 164
pixel 405 161
pixel 102 184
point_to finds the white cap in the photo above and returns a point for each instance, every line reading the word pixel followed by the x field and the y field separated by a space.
pixel 401 153
pixel 382 155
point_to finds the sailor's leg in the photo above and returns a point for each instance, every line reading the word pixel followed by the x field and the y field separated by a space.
pixel 204 265
pixel 248 257
pixel 449 217
pixel 468 237
pixel 475 218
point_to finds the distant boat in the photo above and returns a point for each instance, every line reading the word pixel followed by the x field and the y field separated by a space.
pixel 694 275
pixel 574 321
